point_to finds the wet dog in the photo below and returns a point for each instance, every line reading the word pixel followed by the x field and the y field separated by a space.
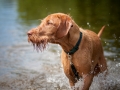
pixel 88 59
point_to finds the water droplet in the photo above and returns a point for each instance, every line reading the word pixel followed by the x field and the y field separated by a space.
pixel 114 35
pixel 114 59
pixel 107 43
pixel 88 23
pixel 118 65
pixel 92 72
pixel 69 8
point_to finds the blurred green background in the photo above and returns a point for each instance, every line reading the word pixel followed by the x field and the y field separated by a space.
pixel 91 14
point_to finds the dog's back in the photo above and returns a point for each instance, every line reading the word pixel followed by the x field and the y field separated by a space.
pixel 96 49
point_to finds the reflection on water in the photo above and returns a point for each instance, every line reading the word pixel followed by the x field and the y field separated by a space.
pixel 22 68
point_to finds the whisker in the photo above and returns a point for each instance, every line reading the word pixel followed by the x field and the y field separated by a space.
pixel 39 44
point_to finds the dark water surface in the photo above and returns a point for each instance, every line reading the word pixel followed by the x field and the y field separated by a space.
pixel 22 68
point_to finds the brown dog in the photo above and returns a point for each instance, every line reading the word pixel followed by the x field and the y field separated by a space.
pixel 88 59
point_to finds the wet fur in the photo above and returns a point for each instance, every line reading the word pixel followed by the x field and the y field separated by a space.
pixel 60 29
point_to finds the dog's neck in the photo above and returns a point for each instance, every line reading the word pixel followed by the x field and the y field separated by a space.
pixel 70 40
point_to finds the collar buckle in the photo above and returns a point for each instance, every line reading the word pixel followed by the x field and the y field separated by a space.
pixel 69 57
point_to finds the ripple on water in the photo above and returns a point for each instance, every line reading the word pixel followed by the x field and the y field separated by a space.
pixel 28 70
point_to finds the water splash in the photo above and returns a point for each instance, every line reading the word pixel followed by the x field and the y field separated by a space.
pixel 79 85
pixel 111 81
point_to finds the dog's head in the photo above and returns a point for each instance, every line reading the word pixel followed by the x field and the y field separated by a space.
pixel 52 28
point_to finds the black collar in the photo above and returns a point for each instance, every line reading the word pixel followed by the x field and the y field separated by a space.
pixel 76 47
pixel 72 51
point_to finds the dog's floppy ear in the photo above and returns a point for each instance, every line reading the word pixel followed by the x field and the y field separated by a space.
pixel 64 26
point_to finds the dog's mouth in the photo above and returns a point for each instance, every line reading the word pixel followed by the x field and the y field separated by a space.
pixel 38 43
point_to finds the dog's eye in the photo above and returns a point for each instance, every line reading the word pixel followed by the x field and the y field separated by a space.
pixel 49 23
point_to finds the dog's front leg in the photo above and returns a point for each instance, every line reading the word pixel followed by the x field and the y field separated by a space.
pixel 87 81
pixel 71 83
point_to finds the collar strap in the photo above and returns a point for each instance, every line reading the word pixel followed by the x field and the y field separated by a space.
pixel 76 47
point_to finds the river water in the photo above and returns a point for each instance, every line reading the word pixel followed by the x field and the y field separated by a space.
pixel 23 68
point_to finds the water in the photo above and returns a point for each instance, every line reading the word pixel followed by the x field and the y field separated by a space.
pixel 22 68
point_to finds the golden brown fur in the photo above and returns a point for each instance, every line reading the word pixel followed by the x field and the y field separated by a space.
pixel 60 29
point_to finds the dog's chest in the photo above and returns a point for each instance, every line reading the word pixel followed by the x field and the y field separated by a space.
pixel 68 71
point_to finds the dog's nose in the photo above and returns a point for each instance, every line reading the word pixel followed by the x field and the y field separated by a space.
pixel 29 33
